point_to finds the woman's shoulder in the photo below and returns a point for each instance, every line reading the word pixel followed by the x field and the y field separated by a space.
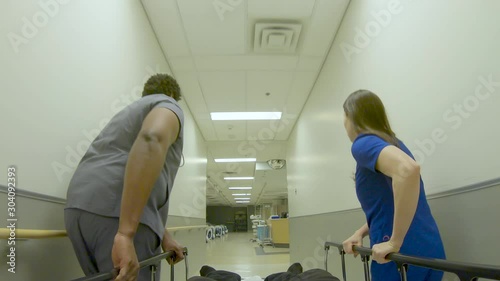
pixel 367 144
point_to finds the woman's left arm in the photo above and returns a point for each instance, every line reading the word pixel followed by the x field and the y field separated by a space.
pixel 405 174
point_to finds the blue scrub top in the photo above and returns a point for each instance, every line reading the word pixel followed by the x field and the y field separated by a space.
pixel 374 191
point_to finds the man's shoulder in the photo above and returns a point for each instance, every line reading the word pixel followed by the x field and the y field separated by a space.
pixel 154 98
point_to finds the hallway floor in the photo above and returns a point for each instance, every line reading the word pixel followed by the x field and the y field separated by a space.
pixel 235 252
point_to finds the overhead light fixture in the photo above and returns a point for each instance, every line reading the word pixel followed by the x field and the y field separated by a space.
pixel 242 194
pixel 241 198
pixel 238 178
pixel 240 188
pixel 241 202
pixel 228 160
pixel 217 116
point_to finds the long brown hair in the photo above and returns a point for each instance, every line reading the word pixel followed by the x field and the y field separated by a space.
pixel 367 114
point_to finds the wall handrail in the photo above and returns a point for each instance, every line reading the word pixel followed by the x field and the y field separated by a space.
pixel 5 233
pixel 465 271
pixel 190 227
pixel 147 262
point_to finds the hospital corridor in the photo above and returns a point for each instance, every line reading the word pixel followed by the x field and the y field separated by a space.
pixel 249 140
pixel 234 253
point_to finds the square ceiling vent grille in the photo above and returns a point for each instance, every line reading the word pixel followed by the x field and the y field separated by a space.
pixel 276 37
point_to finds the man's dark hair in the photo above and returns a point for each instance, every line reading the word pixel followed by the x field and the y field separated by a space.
pixel 162 84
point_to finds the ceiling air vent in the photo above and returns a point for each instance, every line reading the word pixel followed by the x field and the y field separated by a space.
pixel 276 37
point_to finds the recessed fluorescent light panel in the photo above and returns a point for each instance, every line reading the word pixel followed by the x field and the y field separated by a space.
pixel 245 116
pixel 237 202
pixel 242 194
pixel 240 188
pixel 227 160
pixel 238 178
pixel 241 198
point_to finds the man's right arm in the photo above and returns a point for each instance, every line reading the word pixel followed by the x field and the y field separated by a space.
pixel 159 130
pixel 145 162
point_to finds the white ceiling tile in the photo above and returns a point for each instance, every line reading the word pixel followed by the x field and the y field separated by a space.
pixel 165 20
pixel 323 26
pixel 224 91
pixel 262 130
pixel 280 9
pixel 214 27
pixel 222 148
pixel 307 63
pixel 288 119
pixel 227 149
pixel 230 130
pixel 203 116
pixel 277 150
pixel 300 90
pixel 240 169
pixel 261 150
pixel 276 83
pixel 206 128
pixel 249 62
pixel 191 91
pixel 182 64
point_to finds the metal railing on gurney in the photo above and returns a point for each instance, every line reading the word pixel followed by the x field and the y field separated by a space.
pixel 464 271
pixel 151 262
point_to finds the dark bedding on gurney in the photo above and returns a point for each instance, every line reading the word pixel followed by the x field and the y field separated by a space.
pixel 294 273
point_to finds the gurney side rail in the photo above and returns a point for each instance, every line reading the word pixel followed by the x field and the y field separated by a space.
pixel 147 262
pixel 465 271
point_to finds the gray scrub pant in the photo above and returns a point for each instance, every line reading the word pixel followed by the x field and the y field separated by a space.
pixel 92 237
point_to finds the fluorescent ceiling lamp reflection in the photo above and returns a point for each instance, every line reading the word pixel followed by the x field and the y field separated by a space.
pixel 237 202
pixel 245 115
pixel 241 198
pixel 226 160
pixel 242 194
pixel 238 178
pixel 240 188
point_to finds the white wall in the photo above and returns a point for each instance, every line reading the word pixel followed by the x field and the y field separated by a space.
pixel 189 198
pixel 424 59
pixel 67 68
pixel 58 88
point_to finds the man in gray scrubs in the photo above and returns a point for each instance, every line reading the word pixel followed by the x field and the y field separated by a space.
pixel 117 200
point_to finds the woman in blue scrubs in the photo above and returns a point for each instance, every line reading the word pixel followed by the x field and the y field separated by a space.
pixel 391 193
